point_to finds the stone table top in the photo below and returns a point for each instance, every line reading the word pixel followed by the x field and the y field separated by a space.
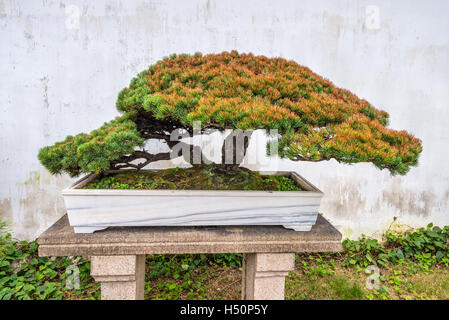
pixel 60 240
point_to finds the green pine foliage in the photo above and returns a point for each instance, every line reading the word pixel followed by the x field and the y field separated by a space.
pixel 92 152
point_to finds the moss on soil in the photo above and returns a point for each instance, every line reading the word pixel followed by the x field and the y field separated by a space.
pixel 204 177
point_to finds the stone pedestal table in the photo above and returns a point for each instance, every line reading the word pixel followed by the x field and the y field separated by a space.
pixel 118 253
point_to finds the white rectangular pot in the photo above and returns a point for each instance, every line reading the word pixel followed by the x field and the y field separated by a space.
pixel 95 209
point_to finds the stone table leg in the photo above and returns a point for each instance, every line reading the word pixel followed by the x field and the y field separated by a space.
pixel 264 275
pixel 121 277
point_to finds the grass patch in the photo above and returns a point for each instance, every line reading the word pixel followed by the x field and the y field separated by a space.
pixel 418 274
pixel 203 177
pixel 193 276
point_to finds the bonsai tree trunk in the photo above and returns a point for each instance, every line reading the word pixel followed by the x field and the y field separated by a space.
pixel 234 149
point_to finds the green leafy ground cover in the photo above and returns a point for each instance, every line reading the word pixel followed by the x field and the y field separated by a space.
pixel 204 177
pixel 414 265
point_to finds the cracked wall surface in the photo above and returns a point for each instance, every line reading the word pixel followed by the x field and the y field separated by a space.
pixel 64 62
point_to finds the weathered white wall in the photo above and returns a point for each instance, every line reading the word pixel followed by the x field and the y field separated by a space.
pixel 60 75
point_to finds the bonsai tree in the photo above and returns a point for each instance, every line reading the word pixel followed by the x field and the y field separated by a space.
pixel 315 120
